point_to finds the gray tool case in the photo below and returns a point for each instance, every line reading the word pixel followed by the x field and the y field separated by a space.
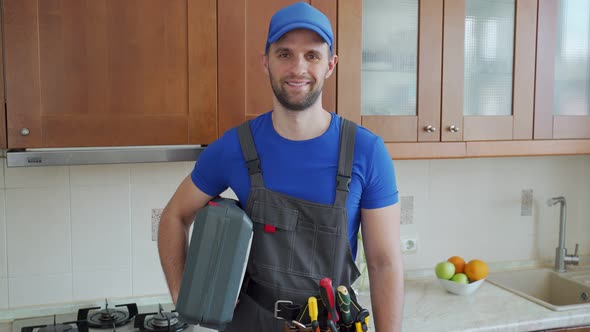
pixel 215 264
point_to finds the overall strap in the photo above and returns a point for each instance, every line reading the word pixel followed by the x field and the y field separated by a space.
pixel 250 154
pixel 345 160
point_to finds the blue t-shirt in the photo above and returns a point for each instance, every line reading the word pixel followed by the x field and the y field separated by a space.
pixel 303 169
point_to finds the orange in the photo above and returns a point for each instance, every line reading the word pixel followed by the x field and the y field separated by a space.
pixel 476 269
pixel 458 262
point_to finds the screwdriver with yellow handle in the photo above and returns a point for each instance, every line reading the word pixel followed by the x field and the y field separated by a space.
pixel 362 321
pixel 312 303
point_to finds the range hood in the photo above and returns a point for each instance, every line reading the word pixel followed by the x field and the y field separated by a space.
pixel 102 155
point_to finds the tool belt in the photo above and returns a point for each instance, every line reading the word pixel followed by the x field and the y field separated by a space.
pixel 297 316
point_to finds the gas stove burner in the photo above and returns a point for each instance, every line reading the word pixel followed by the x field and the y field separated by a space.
pixel 163 319
pixel 160 321
pixel 107 318
pixel 74 326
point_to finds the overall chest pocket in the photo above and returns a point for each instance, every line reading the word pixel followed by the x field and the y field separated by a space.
pixel 299 241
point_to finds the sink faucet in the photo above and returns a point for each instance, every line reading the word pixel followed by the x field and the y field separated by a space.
pixel 561 256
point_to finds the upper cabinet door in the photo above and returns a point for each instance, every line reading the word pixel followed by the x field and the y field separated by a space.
pixel 452 70
pixel 109 72
pixel 563 70
pixel 488 69
pixel 244 88
pixel 397 92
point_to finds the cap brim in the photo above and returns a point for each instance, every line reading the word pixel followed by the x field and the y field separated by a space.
pixel 299 25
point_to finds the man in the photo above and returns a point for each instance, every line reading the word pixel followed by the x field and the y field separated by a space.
pixel 318 177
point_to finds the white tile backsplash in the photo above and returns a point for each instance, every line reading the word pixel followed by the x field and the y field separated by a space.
pixel 33 177
pixel 148 277
pixel 3 266
pixel 158 173
pixel 412 178
pixel 84 232
pixel 100 284
pixel 3 293
pixel 101 227
pixel 3 171
pixel 38 231
pixel 189 166
pixel 115 174
pixel 39 289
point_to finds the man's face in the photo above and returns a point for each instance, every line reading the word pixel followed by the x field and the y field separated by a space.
pixel 297 64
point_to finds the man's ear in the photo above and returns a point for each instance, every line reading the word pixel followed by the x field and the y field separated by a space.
pixel 331 65
pixel 264 61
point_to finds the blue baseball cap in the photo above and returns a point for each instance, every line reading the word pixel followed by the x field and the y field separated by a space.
pixel 300 15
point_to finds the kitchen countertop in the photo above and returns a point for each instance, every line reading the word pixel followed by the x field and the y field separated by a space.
pixel 428 307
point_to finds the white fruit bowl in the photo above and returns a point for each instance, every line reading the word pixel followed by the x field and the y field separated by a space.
pixel 460 289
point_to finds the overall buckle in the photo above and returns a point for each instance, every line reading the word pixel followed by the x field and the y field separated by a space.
pixel 277 310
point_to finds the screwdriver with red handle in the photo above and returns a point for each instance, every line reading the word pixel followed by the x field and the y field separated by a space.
pixel 327 296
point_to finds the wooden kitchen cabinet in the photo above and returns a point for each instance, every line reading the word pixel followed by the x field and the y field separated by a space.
pixel 133 72
pixel 439 95
pixel 110 72
pixel 447 92
pixel 244 88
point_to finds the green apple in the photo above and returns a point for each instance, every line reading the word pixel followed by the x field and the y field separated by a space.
pixel 460 278
pixel 444 270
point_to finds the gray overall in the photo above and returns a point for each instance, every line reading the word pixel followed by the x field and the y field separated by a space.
pixel 296 242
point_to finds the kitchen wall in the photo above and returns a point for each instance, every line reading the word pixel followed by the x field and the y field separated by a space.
pixel 85 232
pixel 472 208
pixel 81 232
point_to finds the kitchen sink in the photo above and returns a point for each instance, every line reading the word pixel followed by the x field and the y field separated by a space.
pixel 579 274
pixel 556 291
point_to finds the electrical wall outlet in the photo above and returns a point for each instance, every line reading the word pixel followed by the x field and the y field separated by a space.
pixel 526 203
pixel 156 214
pixel 409 244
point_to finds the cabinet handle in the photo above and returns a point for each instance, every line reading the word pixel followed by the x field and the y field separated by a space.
pixel 453 129
pixel 430 129
pixel 25 132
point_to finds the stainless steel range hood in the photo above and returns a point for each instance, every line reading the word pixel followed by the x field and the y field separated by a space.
pixel 102 155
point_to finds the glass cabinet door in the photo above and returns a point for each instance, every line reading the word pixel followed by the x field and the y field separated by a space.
pixel 489 54
pixel 401 42
pixel 390 57
pixel 572 76
pixel 562 102
pixel 488 69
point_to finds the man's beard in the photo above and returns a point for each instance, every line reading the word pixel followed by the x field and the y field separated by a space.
pixel 283 96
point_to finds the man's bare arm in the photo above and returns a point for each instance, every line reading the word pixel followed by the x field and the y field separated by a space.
pixel 381 242
pixel 175 223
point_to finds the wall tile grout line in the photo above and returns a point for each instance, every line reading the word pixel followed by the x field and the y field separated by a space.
pixel 71 229
pixel 5 239
pixel 130 212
